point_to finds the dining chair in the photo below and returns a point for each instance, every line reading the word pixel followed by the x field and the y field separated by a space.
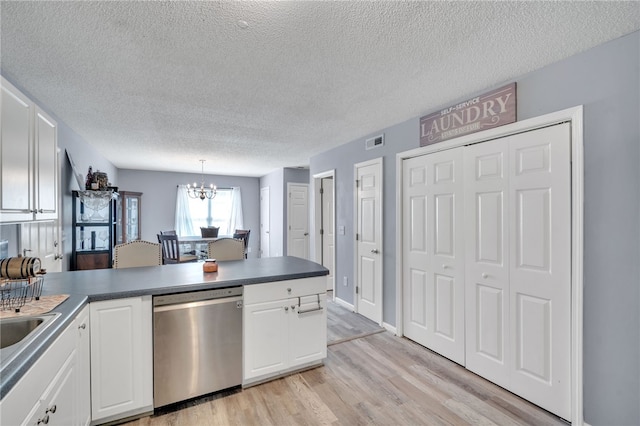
pixel 226 249
pixel 171 250
pixel 209 232
pixel 171 232
pixel 137 253
pixel 243 234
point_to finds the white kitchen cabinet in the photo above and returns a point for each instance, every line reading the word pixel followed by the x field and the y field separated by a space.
pixel 28 159
pixel 45 157
pixel 55 390
pixel 265 338
pixel 284 327
pixel 83 370
pixel 121 358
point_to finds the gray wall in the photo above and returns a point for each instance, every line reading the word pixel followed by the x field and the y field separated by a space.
pixel 606 81
pixel 159 199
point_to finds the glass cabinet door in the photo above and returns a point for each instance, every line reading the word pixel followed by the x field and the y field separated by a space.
pixel 130 215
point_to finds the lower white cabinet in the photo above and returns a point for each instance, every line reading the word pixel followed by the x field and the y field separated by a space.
pixel 83 378
pixel 285 327
pixel 55 390
pixel 121 358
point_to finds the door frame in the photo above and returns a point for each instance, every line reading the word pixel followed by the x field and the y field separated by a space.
pixel 317 222
pixel 379 292
pixel 575 117
pixel 268 245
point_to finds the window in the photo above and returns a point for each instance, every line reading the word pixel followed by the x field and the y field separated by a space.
pixel 224 211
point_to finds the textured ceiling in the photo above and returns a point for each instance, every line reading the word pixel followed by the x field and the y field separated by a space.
pixel 255 86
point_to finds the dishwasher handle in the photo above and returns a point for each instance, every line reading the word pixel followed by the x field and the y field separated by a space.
pixel 188 305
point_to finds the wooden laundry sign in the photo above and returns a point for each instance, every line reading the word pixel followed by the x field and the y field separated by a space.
pixel 492 109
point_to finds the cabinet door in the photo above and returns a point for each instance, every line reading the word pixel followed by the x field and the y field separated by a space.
pixel 60 403
pixel 307 330
pixel 265 338
pixel 16 169
pixel 433 264
pixel 46 166
pixel 83 370
pixel 121 358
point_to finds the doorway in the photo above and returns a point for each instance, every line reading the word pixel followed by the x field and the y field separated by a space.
pixel 324 213
pixel 298 220
pixel 265 238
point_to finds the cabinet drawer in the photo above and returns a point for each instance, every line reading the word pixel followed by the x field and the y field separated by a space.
pixel 277 290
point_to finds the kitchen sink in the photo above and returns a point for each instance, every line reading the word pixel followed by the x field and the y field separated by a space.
pixel 17 333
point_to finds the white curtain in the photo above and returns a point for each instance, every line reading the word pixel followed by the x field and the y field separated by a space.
pixel 183 225
pixel 236 220
pixel 191 214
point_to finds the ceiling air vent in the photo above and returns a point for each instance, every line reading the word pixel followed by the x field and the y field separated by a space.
pixel 374 142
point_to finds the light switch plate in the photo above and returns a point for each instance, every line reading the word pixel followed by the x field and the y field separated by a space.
pixel 341 230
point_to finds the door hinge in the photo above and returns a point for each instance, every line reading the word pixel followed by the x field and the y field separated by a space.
pixel 322 232
pixel 321 190
pixel 357 237
pixel 357 291
pixel 357 183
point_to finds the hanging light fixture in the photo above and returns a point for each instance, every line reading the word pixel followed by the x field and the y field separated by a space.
pixel 202 192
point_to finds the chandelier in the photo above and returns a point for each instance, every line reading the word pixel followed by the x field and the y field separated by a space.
pixel 202 192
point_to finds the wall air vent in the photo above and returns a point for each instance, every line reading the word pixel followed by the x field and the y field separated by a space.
pixel 374 142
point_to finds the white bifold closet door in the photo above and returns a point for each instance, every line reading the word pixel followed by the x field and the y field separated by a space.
pixel 433 305
pixel 518 270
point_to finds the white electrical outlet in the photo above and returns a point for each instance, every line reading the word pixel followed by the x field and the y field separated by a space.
pixel 345 281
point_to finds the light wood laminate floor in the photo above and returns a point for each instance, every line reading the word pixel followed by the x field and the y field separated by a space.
pixel 378 379
pixel 344 325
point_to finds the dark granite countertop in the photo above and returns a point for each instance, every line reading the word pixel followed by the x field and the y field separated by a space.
pixel 105 284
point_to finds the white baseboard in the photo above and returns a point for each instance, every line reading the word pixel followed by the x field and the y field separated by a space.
pixel 390 328
pixel 344 304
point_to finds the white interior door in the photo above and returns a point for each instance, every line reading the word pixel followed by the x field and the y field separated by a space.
pixel 369 239
pixel 518 204
pixel 265 238
pixel 540 267
pixel 328 237
pixel 433 272
pixel 298 219
pixel 487 254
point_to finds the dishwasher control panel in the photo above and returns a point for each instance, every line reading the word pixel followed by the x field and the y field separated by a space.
pixel 196 296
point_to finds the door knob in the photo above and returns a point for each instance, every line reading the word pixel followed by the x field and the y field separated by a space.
pixel 375 251
pixel 306 234
pixel 485 275
pixel 444 266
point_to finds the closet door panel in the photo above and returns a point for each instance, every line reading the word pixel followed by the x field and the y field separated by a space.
pixel 415 250
pixel 487 275
pixel 540 267
pixel 433 270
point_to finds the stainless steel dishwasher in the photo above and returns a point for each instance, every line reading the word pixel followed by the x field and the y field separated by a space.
pixel 197 344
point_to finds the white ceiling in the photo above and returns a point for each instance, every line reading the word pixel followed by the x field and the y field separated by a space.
pixel 255 86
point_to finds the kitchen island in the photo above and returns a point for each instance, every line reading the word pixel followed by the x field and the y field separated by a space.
pixel 95 287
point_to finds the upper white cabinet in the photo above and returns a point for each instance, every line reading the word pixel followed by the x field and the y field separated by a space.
pixel 46 166
pixel 28 159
